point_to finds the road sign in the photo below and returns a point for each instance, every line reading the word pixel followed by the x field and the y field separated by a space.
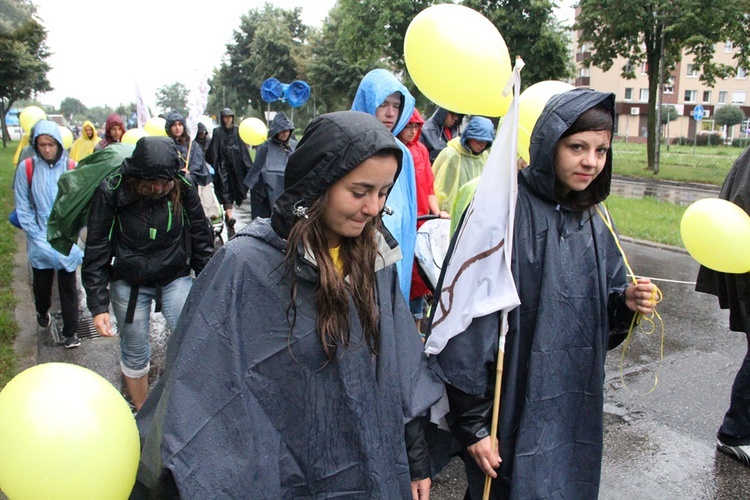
pixel 698 112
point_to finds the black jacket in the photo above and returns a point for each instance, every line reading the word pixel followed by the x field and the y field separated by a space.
pixel 121 226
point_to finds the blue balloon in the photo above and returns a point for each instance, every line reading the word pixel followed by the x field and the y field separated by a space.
pixel 271 90
pixel 297 93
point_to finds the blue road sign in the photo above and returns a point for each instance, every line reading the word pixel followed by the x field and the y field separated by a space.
pixel 698 112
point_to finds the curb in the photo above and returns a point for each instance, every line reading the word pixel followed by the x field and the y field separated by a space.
pixel 25 344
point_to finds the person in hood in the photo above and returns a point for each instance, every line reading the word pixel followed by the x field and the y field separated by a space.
pixel 34 199
pixel 426 204
pixel 381 94
pixel 462 161
pixel 196 167
pixel 84 145
pixel 231 162
pixel 114 129
pixel 307 365
pixel 146 232
pixel 266 179
pixel 440 128
pixel 202 138
pixel 733 437
pixel 576 303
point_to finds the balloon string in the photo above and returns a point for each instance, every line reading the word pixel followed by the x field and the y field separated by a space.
pixel 638 318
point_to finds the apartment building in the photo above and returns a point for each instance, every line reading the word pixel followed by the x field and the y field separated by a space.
pixel 682 89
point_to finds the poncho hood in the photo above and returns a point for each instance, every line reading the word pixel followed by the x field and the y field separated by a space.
pixel 559 114
pixel 416 117
pixel 375 87
pixel 50 128
pixel 333 145
pixel 481 129
pixel 88 123
pixel 171 118
pixel 153 158
pixel 279 123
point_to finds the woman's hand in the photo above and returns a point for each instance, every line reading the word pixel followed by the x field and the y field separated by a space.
pixel 420 489
pixel 486 458
pixel 102 325
pixel 444 215
pixel 641 297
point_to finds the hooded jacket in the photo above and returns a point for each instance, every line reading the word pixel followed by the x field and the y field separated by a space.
pixel 231 161
pixel 570 278
pixel 112 120
pixel 732 290
pixel 457 164
pixel 35 205
pixel 260 409
pixel 197 169
pixel 434 136
pixel 266 178
pixel 83 146
pixel 143 241
pixel 372 92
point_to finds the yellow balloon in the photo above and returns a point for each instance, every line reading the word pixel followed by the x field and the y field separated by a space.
pixel 253 131
pixel 132 135
pixel 66 433
pixel 67 136
pixel 716 233
pixel 531 103
pixel 29 116
pixel 155 126
pixel 458 60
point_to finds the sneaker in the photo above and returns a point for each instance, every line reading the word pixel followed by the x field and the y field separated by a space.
pixel 741 453
pixel 72 341
pixel 43 320
pixel 231 222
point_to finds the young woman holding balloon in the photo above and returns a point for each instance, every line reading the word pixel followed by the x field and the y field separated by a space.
pixel 576 302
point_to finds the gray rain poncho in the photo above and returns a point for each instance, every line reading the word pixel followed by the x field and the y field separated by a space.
pixel 248 409
pixel 570 277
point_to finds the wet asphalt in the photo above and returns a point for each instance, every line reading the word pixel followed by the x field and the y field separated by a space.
pixel 665 394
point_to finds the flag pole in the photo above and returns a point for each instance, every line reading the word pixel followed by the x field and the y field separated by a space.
pixel 498 391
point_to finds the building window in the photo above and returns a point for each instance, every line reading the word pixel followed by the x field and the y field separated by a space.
pixel 706 96
pixel 584 72
pixel 644 68
pixel 584 48
pixel 746 126
pixel 669 86
pixel 629 94
pixel 643 97
pixel 692 71
pixel 722 97
pixel 739 96
pixel 728 46
pixel 690 95
pixel 741 73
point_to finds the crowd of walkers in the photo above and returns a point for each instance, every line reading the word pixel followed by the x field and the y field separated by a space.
pixel 296 366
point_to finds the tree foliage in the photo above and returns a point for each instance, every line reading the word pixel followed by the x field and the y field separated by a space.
pixel 72 106
pixel 644 30
pixel 172 97
pixel 531 31
pixel 23 51
pixel 729 116
pixel 668 113
pixel 269 43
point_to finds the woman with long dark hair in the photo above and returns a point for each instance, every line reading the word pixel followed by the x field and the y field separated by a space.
pixel 296 371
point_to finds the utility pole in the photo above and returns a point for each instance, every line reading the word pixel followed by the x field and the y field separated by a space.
pixel 657 146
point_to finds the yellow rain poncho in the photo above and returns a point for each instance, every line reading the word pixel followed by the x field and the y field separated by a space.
pixel 83 146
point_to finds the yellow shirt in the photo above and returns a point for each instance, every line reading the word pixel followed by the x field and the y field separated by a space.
pixel 337 262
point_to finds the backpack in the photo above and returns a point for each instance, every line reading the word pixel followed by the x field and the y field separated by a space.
pixel 29 163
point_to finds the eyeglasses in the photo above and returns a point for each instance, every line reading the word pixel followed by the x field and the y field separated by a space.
pixel 413 126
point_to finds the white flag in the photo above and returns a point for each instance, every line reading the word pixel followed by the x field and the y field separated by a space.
pixel 198 100
pixel 477 278
pixel 142 112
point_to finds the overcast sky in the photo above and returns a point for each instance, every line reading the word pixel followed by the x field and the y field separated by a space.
pixel 100 53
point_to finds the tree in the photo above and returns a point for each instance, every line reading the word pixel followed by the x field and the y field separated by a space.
pixel 729 116
pixel 269 43
pixel 172 97
pixel 72 106
pixel 668 114
pixel 23 50
pixel 531 31
pixel 659 32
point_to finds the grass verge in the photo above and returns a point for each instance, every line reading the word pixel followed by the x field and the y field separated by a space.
pixel 8 325
pixel 647 219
